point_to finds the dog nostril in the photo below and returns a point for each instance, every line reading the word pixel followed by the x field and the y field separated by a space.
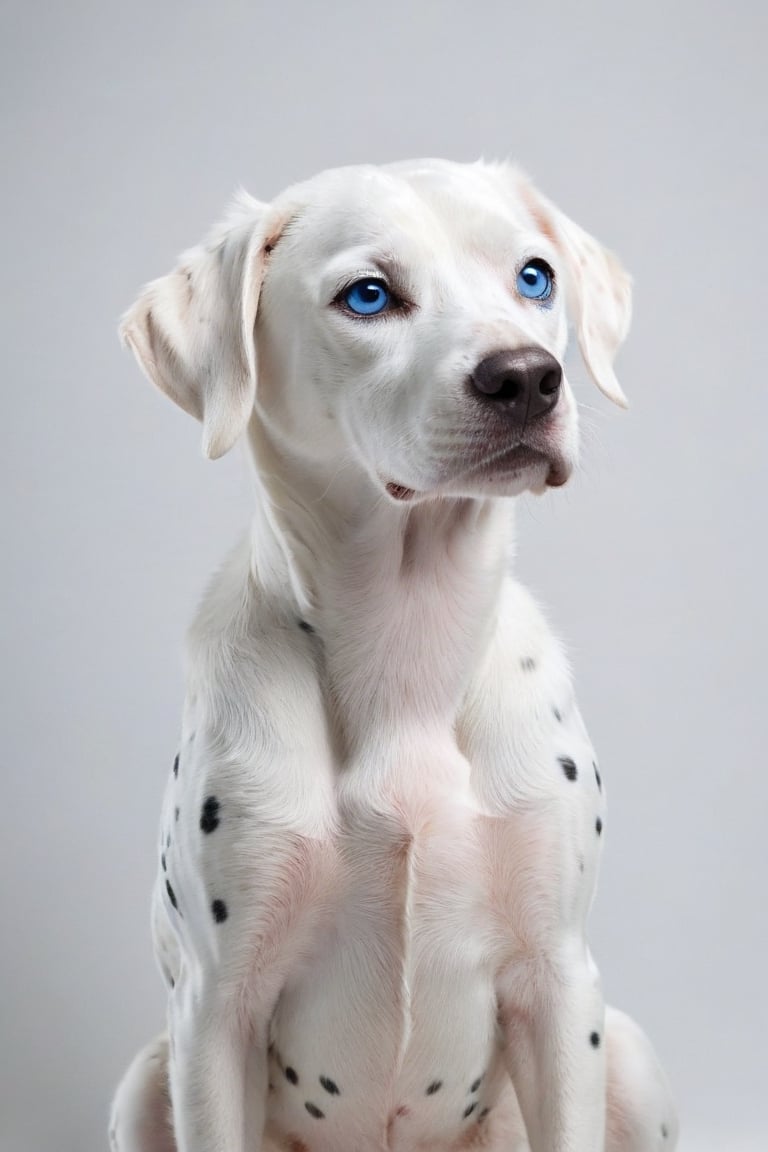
pixel 510 389
pixel 550 383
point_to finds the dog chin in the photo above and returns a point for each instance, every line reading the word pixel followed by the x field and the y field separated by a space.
pixel 508 483
pixel 535 475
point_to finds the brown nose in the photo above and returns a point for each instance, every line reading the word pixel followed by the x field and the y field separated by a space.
pixel 525 382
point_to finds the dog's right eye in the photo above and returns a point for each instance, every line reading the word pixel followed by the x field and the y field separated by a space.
pixel 367 297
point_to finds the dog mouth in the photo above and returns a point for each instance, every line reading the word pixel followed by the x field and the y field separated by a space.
pixel 509 463
pixel 504 465
pixel 400 492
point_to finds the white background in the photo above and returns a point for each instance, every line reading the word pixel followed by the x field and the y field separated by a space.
pixel 125 128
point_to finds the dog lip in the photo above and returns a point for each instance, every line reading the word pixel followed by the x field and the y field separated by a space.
pixel 516 458
pixel 399 491
pixel 558 475
pixel 506 462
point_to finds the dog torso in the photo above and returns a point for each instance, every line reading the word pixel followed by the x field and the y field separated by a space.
pixel 398 892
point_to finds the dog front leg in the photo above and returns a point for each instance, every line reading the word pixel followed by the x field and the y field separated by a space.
pixel 225 996
pixel 552 1017
pixel 211 1046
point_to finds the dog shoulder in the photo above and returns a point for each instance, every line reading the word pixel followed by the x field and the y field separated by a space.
pixel 520 712
pixel 254 701
pixel 525 671
pixel 251 790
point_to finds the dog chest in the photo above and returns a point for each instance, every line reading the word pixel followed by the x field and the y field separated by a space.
pixel 390 1022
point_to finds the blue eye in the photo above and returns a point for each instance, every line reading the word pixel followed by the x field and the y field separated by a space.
pixel 367 297
pixel 535 280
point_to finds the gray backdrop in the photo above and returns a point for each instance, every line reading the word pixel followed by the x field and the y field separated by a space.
pixel 125 128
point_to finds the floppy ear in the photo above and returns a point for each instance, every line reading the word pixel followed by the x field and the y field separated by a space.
pixel 192 332
pixel 599 291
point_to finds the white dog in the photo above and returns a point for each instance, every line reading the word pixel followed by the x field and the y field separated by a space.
pixel 381 833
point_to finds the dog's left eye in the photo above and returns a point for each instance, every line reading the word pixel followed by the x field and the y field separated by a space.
pixel 367 297
pixel 535 280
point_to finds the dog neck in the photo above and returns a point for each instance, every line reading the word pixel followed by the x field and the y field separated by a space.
pixel 401 598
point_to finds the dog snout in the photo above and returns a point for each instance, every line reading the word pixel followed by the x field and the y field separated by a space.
pixel 525 382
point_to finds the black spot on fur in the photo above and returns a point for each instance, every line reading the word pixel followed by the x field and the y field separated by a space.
pixel 594 1039
pixel 314 1110
pixel 162 862
pixel 176 765
pixel 168 840
pixel 292 1075
pixel 209 818
pixel 597 776
pixel 435 1086
pixel 305 627
pixel 330 1086
pixel 557 714
pixel 176 814
pixel 568 766
pixel 598 825
pixel 470 1109
pixel 664 1132
pixel 172 982
pixel 171 895
pixel 219 910
pixel 474 1087
pixel 528 664
pixel 483 1114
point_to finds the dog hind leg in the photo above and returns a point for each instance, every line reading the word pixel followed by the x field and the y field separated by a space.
pixel 140 1119
pixel 640 1114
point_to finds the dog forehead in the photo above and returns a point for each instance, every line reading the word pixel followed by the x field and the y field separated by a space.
pixel 478 187
pixel 424 205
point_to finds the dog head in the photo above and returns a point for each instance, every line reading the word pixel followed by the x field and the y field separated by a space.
pixel 411 320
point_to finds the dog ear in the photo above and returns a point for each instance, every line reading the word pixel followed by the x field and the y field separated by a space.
pixel 599 290
pixel 192 331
